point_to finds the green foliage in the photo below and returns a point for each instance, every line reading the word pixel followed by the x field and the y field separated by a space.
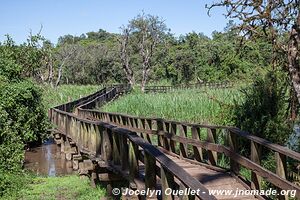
pixel 186 59
pixel 264 109
pixel 12 182
pixel 22 116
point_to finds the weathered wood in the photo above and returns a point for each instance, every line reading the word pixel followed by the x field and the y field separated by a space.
pixel 233 145
pixel 116 149
pixel 198 154
pixel 160 131
pixel 167 181
pixel 83 132
pixel 212 155
pixel 182 187
pixel 281 170
pixel 255 157
pixel 150 171
pixel 173 131
pixel 106 150
pixel 133 161
pixel 124 148
pixel 183 146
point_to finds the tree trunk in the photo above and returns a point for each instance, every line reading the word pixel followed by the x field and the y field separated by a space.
pixel 293 57
pixel 146 71
pixel 50 76
pixel 59 74
pixel 129 74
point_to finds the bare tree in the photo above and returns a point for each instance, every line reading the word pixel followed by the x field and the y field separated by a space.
pixel 63 55
pixel 149 31
pixel 274 20
pixel 125 54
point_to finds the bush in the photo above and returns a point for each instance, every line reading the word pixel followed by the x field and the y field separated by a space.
pixel 22 117
pixel 22 120
pixel 263 112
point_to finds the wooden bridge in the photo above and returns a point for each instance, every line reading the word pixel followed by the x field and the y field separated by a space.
pixel 156 154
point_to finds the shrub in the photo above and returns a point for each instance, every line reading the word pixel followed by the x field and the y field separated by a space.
pixel 263 112
pixel 22 120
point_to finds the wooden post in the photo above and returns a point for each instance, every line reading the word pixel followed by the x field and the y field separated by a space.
pixel 183 147
pixel 255 157
pixel 116 149
pixel 150 171
pixel 133 161
pixel 233 145
pixel 124 152
pixel 160 131
pixel 185 197
pixel 167 181
pixel 173 132
pixel 281 171
pixel 106 147
pixel 198 155
pixel 212 155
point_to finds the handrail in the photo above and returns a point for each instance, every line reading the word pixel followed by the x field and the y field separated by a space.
pixel 103 140
pixel 264 142
pixel 163 88
pixel 166 129
pixel 98 143
pixel 166 134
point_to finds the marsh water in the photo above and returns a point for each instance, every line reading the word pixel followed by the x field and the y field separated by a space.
pixel 47 160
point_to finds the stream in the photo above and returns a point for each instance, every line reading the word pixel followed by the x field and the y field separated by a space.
pixel 47 160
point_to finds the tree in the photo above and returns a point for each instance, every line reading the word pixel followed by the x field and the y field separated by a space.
pixel 150 31
pixel 63 55
pixel 143 33
pixel 125 54
pixel 276 20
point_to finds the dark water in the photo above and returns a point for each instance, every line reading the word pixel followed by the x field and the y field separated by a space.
pixel 47 160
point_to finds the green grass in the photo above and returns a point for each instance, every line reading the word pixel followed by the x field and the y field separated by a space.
pixel 52 188
pixel 193 105
pixel 64 93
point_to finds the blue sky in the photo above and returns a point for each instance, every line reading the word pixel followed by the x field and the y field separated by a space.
pixel 60 17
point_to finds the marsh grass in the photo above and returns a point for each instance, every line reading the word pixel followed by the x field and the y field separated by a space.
pixel 64 93
pixel 52 188
pixel 191 105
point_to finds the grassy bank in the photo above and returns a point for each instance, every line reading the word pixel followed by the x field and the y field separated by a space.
pixel 194 105
pixel 64 93
pixel 51 188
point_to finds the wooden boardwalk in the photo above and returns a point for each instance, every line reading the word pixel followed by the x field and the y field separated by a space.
pixel 153 153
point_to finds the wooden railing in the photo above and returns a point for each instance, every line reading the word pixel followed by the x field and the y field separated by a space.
pixel 160 88
pixel 206 144
pixel 121 148
pixel 194 143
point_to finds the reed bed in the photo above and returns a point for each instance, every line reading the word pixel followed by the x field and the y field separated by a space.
pixel 190 105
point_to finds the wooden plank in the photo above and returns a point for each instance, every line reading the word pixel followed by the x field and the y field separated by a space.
pixel 150 171
pixel 133 161
pixel 124 152
pixel 255 157
pixel 233 145
pixel 212 155
pixel 167 181
pixel 183 146
pixel 171 166
pixel 281 170
pixel 173 131
pixel 198 154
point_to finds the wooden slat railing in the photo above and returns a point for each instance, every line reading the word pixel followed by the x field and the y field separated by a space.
pixel 102 140
pixel 163 89
pixel 195 143
pixel 201 143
